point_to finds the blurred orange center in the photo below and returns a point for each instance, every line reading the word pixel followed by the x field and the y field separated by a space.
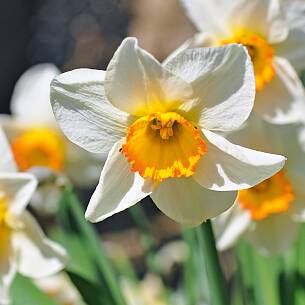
pixel 163 145
pixel 39 147
pixel 260 52
pixel 271 196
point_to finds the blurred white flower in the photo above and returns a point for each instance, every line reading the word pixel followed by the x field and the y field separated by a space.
pixel 148 292
pixel 158 122
pixel 174 252
pixel 24 248
pixel 34 135
pixel 60 288
pixel 269 213
pixel 274 41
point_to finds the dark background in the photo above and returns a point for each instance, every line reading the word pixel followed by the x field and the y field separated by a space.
pixel 57 31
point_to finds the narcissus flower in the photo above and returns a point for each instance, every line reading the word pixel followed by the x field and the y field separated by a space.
pixel 158 123
pixel 34 135
pixel 23 246
pixel 269 213
pixel 272 39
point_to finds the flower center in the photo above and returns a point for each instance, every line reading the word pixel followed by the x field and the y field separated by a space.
pixel 163 145
pixel 260 52
pixel 39 147
pixel 272 196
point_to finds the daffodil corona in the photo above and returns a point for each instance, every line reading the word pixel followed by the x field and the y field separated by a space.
pixel 39 147
pixel 261 53
pixel 274 39
pixel 157 121
pixel 272 196
pixel 163 145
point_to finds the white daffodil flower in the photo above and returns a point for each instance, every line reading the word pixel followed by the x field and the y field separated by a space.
pixel 59 288
pixel 35 137
pixel 157 122
pixel 268 214
pixel 274 41
pixel 24 248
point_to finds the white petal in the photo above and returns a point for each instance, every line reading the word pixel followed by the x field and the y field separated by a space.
pixel 82 167
pixel 37 256
pixel 210 16
pixel 118 188
pixel 274 235
pixel 223 17
pixel 19 188
pixel 7 274
pixel 282 101
pixel 137 83
pixel 31 97
pixel 296 175
pixel 227 167
pixel 230 226
pixel 223 83
pixel 198 40
pixel 7 162
pixel 293 48
pixel 83 112
pixel 185 201
pixel 263 17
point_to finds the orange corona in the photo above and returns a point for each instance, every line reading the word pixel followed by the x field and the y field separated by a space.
pixel 261 54
pixel 39 147
pixel 271 196
pixel 163 145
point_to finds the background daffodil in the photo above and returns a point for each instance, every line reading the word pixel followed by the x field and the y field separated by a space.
pixel 34 135
pixel 270 213
pixel 24 247
pixel 272 38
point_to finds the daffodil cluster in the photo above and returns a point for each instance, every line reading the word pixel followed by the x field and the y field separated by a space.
pixel 215 131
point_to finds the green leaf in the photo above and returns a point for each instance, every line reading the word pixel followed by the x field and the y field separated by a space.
pixel 78 233
pixel 263 275
pixel 91 293
pixel 25 292
pixel 300 262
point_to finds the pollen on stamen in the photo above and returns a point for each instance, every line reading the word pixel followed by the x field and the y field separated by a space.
pixel 163 145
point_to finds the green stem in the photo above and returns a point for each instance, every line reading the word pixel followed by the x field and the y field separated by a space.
pixel 96 246
pixel 217 285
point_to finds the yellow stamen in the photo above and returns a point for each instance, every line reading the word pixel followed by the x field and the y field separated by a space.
pixel 271 196
pixel 39 147
pixel 260 52
pixel 163 145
